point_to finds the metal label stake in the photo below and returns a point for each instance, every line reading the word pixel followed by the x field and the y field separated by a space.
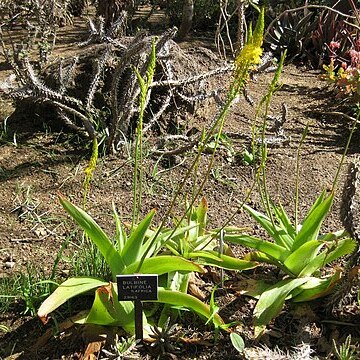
pixel 139 327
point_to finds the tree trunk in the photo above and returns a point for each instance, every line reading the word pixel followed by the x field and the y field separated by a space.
pixel 187 19
pixel 240 37
pixel 110 10
pixel 76 7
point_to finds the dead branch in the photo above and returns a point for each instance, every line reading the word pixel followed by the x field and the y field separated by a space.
pixel 194 79
pixel 98 88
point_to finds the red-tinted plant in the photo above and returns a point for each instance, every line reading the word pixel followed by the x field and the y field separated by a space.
pixel 331 29
pixel 344 72
pixel 306 33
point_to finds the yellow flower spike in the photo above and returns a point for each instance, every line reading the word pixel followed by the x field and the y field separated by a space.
pixel 250 54
pixel 258 35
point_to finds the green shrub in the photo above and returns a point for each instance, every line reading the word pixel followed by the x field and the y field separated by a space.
pixel 206 12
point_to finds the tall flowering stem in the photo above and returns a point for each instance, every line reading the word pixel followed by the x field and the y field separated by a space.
pixel 144 84
pixel 248 58
pixel 246 61
pixel 89 171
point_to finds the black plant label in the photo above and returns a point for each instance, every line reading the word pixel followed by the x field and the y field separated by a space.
pixel 137 287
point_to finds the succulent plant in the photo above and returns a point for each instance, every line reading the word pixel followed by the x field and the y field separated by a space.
pixel 307 36
pixel 291 32
pixel 164 338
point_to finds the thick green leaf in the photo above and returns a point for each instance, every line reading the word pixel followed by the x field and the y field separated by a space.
pixel 261 257
pixel 279 235
pixel 237 342
pixel 164 264
pixel 261 218
pixel 275 251
pixel 312 223
pixel 214 309
pixel 315 288
pixel 178 281
pixel 164 239
pixel 285 223
pixel 340 248
pixel 337 249
pixel 271 302
pixel 190 302
pixel 97 235
pixel 169 239
pixel 315 264
pixel 132 249
pixel 120 235
pixel 223 261
pixel 302 256
pixel 205 242
pixel 333 236
pixel 67 290
pixel 317 202
pixel 193 234
pixel 107 310
pixel 196 255
pixel 201 215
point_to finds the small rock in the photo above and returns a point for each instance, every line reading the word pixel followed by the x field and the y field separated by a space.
pixel 9 264
pixel 40 232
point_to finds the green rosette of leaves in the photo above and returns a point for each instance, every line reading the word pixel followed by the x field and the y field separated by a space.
pixel 301 253
pixel 123 257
